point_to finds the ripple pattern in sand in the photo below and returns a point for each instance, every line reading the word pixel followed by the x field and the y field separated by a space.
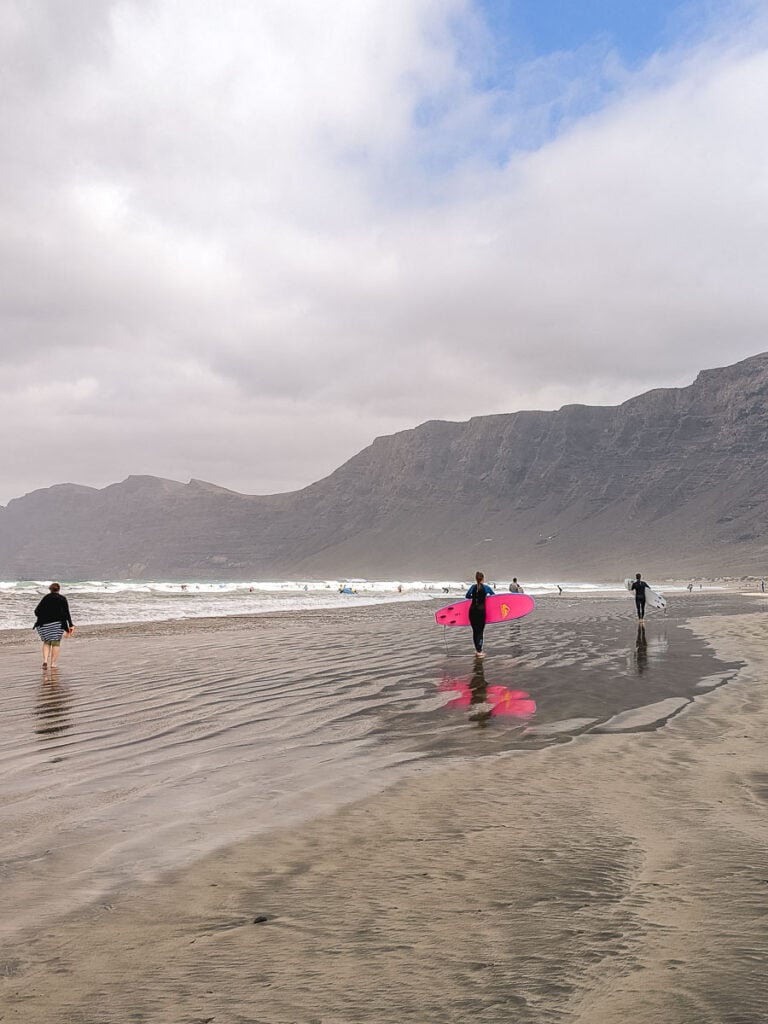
pixel 151 747
pixel 140 754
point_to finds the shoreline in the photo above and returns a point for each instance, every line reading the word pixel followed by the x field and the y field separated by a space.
pixel 215 623
pixel 602 879
pixel 8 635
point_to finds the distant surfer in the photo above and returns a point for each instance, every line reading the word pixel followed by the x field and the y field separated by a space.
pixel 514 586
pixel 52 621
pixel 559 588
pixel 639 586
pixel 477 594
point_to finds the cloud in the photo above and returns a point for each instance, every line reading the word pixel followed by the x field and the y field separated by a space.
pixel 238 244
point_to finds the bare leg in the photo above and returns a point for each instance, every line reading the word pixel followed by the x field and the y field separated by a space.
pixel 54 654
pixel 46 652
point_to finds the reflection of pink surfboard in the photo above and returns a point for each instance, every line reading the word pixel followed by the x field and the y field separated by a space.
pixel 514 703
pixel 499 608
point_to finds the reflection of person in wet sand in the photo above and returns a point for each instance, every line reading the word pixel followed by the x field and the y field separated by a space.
pixel 486 701
pixel 479 709
pixel 52 620
pixel 51 707
pixel 641 648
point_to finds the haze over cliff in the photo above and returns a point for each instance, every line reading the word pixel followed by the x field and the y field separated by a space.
pixel 673 482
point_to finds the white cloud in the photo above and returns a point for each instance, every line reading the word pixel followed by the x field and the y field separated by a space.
pixel 263 234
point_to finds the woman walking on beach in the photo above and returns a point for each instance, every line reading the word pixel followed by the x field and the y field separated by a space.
pixel 477 593
pixel 52 621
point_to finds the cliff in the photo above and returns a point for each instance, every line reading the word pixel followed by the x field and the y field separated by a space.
pixel 673 482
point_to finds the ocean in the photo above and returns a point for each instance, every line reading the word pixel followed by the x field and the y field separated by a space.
pixel 103 602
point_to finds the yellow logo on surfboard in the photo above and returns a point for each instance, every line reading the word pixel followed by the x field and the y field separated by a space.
pixel 504 611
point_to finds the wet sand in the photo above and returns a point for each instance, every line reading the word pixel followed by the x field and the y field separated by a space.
pixel 621 874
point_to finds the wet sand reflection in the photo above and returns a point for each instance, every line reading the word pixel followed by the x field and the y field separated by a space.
pixel 641 650
pixel 486 701
pixel 52 707
pixel 646 650
pixel 585 668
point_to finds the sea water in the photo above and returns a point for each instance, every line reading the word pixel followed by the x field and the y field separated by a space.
pixel 95 602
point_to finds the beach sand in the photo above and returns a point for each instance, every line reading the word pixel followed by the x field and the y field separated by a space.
pixel 622 875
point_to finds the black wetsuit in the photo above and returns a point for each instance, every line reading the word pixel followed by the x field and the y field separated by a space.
pixel 477 594
pixel 640 587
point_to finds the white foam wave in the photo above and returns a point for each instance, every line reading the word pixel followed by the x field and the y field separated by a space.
pixel 121 601
pixel 95 602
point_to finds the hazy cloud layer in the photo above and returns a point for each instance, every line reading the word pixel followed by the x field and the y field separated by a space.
pixel 237 244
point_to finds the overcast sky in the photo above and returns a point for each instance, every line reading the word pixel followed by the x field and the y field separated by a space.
pixel 240 240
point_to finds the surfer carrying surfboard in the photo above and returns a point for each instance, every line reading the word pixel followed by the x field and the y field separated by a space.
pixel 477 594
pixel 639 586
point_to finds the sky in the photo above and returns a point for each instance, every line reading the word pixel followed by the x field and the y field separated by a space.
pixel 240 241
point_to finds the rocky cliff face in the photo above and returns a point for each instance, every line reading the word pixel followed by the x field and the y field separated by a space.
pixel 673 482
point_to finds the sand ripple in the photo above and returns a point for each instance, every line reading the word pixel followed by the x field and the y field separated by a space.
pixel 153 747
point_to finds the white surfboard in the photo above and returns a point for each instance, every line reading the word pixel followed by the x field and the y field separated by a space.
pixel 651 597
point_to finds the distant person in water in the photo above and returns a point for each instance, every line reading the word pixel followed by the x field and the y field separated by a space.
pixel 639 587
pixel 514 587
pixel 477 594
pixel 52 620
pixel 559 588
pixel 762 585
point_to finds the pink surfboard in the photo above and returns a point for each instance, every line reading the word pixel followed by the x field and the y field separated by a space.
pixel 499 608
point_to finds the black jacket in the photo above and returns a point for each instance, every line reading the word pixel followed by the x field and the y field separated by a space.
pixel 53 608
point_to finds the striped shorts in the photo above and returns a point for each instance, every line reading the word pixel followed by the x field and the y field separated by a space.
pixel 50 632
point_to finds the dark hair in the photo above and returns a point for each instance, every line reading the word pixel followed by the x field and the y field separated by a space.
pixel 54 588
pixel 479 577
pixel 638 576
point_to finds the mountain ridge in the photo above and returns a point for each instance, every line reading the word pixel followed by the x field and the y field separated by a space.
pixel 675 479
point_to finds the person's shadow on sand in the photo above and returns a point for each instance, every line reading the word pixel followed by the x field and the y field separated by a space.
pixel 52 707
